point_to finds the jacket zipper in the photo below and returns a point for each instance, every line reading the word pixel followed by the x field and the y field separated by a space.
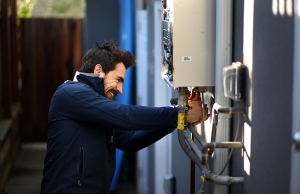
pixel 80 167
pixel 111 133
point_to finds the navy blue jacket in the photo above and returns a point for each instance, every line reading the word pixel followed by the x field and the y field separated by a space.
pixel 84 130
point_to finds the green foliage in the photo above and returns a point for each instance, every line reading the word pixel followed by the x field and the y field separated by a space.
pixel 70 7
pixel 51 8
pixel 24 8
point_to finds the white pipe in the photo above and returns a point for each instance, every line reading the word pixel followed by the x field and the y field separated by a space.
pixel 142 159
pixel 223 59
pixel 295 156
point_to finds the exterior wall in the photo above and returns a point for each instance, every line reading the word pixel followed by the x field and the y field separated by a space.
pixel 10 134
pixel 269 92
pixel 271 87
pixel 101 22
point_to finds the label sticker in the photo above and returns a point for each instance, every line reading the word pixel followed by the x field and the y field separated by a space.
pixel 186 58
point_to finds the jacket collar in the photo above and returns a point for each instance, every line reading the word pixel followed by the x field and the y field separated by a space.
pixel 92 80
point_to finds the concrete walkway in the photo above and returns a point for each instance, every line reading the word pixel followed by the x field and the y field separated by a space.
pixel 26 175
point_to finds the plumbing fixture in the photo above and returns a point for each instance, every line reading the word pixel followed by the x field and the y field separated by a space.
pixel 182 106
pixel 189 60
pixel 184 52
pixel 194 153
pixel 200 158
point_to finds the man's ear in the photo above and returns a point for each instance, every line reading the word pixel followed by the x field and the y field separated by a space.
pixel 98 68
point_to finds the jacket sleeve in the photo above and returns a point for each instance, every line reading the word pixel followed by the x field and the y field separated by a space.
pixel 132 141
pixel 79 102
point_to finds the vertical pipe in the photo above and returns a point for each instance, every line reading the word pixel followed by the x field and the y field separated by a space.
pixel 141 18
pixel 295 156
pixel 223 58
pixel 126 11
pixel 192 173
pixel 126 41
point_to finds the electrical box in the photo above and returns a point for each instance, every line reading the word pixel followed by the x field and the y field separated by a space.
pixel 234 81
pixel 188 41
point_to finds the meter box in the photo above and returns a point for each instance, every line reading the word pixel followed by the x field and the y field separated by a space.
pixel 188 41
pixel 234 81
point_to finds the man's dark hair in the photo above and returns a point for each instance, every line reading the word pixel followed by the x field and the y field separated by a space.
pixel 107 55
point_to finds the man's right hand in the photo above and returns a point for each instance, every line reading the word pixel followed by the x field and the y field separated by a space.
pixel 194 115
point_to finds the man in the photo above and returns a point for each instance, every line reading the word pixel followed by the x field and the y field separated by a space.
pixel 85 125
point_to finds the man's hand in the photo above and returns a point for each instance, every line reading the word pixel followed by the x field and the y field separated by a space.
pixel 195 116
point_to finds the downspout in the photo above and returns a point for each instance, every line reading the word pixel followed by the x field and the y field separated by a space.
pixel 295 153
pixel 223 59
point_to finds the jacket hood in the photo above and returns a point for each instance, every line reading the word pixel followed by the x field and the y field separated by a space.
pixel 92 80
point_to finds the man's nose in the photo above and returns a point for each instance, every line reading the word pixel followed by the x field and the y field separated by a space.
pixel 119 88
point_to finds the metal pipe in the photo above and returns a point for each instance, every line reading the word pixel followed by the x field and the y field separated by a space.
pixel 192 144
pixel 202 123
pixel 192 173
pixel 210 176
pixel 213 145
pixel 223 180
pixel 227 110
pixel 214 121
pixel 200 139
pixel 214 127
pixel 231 110
pixel 215 112
pixel 187 150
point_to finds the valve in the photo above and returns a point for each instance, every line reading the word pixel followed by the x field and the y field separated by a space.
pixel 182 105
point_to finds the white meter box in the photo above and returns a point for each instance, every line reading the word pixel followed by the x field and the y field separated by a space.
pixel 192 39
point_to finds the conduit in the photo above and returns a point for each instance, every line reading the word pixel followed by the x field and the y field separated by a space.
pixel 214 145
pixel 191 149
pixel 215 112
